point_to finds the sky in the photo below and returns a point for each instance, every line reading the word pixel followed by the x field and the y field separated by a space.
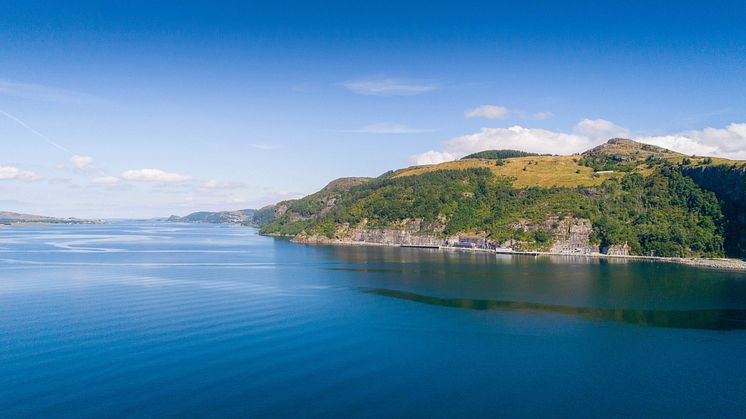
pixel 141 109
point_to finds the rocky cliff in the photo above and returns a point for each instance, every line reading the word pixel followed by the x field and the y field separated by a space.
pixel 406 233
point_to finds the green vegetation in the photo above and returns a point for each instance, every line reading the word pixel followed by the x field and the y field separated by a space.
pixel 262 216
pixel 664 214
pixel 605 164
pixel 728 182
pixel 499 154
pixel 655 201
pixel 541 171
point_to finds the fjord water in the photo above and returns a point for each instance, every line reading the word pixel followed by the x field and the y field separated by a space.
pixel 175 320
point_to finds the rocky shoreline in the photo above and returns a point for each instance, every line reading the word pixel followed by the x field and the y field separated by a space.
pixel 720 263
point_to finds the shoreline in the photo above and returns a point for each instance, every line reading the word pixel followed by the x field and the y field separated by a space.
pixel 719 263
pixel 47 223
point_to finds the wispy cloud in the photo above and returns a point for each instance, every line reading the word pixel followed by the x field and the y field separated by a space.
pixel 59 181
pixel 106 180
pixel 542 115
pixel 44 93
pixel 154 175
pixel 388 87
pixel 487 111
pixel 213 185
pixel 502 112
pixel 386 128
pixel 14 173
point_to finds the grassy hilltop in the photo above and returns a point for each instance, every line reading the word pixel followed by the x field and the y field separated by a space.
pixel 636 195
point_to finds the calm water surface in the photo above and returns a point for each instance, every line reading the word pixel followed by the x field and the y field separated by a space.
pixel 173 320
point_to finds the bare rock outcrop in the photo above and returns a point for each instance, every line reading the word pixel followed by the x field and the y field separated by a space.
pixel 573 236
pixel 569 234
pixel 616 250
pixel 409 232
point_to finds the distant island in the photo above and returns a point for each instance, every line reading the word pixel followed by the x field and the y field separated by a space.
pixel 248 217
pixel 622 198
pixel 14 218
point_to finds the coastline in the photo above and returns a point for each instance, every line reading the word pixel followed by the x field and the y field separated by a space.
pixel 719 263
pixel 47 223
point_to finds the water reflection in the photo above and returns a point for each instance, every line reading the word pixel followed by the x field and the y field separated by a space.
pixel 563 281
pixel 710 319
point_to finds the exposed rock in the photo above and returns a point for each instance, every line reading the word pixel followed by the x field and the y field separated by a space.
pixel 573 236
pixel 280 210
pixel 410 232
pixel 616 250
pixel 296 217
pixel 570 235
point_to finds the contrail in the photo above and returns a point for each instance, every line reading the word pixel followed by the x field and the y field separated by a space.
pixel 35 132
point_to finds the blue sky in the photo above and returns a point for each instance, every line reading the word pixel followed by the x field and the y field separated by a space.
pixel 134 109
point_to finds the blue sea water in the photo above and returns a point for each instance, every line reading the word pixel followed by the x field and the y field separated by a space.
pixel 175 320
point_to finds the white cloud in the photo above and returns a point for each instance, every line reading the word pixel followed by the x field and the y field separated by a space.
pixel 729 142
pixel 388 87
pixel 501 112
pixel 81 163
pixel 598 130
pixel 487 111
pixel 516 137
pixel 106 180
pixel 387 128
pixel 14 173
pixel 154 175
pixel 722 142
pixel 435 157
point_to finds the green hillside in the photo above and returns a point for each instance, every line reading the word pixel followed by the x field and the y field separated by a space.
pixel 249 217
pixel 644 199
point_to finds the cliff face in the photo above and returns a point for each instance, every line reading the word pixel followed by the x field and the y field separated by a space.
pixel 567 235
pixel 406 233
pixel 728 182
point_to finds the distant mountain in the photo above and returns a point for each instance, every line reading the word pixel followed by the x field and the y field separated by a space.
pixel 252 217
pixel 14 218
pixel 622 197
pixel 219 217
